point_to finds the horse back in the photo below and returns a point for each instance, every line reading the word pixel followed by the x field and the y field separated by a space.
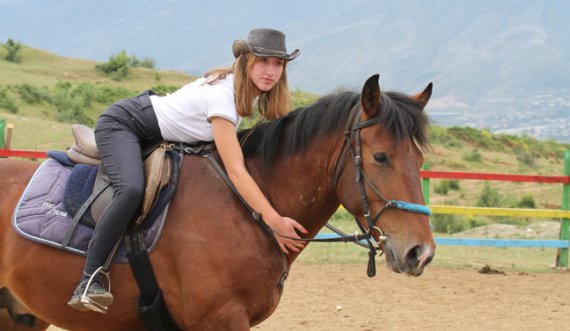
pixel 14 176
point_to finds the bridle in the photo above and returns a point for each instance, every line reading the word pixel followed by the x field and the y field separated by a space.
pixel 352 145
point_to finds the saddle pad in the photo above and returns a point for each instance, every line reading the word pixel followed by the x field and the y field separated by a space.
pixel 40 214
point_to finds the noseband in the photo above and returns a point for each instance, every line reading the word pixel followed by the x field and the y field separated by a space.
pixel 352 145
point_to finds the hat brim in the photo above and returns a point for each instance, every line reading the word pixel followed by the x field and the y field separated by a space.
pixel 240 46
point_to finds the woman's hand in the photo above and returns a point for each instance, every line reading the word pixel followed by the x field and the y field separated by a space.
pixel 287 227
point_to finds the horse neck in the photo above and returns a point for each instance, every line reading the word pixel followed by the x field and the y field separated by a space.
pixel 301 186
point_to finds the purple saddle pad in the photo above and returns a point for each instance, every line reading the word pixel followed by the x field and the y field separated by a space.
pixel 41 216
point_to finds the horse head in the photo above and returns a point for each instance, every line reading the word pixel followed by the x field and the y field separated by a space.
pixel 385 136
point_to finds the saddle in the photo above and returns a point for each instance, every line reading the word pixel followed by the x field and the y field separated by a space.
pixel 158 171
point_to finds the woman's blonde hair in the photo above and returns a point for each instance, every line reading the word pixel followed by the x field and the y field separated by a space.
pixel 271 105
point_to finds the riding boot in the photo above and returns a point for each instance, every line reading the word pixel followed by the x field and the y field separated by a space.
pixel 91 294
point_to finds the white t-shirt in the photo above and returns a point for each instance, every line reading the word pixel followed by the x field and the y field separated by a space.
pixel 184 116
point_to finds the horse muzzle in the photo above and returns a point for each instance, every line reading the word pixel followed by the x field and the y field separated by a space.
pixel 413 260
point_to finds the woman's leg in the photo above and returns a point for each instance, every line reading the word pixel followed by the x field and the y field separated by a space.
pixel 120 153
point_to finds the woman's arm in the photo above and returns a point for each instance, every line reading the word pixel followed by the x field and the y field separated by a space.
pixel 230 151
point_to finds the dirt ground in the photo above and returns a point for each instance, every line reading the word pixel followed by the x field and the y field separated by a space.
pixel 342 297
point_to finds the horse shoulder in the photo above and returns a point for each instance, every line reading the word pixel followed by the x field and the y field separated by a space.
pixel 214 243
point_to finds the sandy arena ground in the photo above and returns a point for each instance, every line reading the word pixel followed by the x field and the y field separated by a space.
pixel 342 297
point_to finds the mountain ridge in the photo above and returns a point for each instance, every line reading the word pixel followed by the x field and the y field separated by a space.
pixel 503 65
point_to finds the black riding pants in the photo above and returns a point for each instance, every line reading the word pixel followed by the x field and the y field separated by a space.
pixel 122 132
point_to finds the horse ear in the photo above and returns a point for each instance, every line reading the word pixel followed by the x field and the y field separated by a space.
pixel 423 98
pixel 370 99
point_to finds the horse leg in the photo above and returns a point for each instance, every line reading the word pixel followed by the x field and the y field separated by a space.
pixel 13 316
pixel 227 318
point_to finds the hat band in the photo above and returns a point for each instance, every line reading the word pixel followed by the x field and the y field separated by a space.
pixel 263 51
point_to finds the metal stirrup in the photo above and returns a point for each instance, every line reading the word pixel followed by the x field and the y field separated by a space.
pixel 87 301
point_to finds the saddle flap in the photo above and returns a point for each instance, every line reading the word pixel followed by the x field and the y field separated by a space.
pixel 157 175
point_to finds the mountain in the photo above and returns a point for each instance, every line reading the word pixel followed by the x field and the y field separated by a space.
pixel 501 65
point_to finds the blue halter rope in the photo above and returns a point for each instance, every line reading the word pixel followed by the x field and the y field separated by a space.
pixel 408 206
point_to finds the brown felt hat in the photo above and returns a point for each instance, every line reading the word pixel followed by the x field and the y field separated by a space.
pixel 265 43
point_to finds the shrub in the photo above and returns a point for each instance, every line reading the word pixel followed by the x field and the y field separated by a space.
pixel 31 94
pixel 69 106
pixel 489 197
pixel 13 48
pixel 454 184
pixel 527 201
pixel 7 102
pixel 107 95
pixel 86 92
pixel 480 138
pixel 440 135
pixel 442 187
pixel 163 89
pixel 473 156
pixel 447 223
pixel 118 66
pixel 476 222
pixel 144 63
pixel 446 185
pixel 527 159
pixel 302 99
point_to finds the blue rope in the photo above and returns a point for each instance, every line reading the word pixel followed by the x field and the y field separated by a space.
pixel 411 207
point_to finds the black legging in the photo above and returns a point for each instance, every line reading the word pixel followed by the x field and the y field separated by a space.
pixel 122 132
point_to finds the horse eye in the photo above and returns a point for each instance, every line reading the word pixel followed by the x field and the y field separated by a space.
pixel 381 158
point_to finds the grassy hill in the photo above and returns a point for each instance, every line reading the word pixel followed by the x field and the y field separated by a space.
pixel 44 93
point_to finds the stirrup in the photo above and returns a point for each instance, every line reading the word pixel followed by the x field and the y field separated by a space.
pixel 90 303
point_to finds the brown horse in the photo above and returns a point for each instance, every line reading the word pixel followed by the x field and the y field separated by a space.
pixel 217 268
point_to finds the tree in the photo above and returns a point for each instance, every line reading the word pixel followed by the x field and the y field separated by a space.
pixel 13 48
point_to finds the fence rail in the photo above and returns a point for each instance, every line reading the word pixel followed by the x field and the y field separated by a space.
pixel 562 256
pixel 22 153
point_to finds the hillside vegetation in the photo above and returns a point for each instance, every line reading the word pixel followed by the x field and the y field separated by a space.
pixel 44 93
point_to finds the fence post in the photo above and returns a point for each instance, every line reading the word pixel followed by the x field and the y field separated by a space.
pixel 562 256
pixel 9 133
pixel 425 185
pixel 2 132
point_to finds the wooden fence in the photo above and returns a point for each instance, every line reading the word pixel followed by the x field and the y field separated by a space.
pixel 563 244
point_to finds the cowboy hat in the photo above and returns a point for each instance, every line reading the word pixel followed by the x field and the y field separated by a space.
pixel 265 43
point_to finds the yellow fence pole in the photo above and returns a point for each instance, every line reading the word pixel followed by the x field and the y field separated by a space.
pixel 512 212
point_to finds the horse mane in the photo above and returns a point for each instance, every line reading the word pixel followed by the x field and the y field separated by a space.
pixel 292 133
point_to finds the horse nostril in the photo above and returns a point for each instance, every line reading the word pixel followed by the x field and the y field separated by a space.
pixel 419 256
pixel 428 259
pixel 412 256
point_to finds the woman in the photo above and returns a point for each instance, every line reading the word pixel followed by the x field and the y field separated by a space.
pixel 207 109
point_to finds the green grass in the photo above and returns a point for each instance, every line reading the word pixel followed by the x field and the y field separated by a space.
pixel 456 257
pixel 511 259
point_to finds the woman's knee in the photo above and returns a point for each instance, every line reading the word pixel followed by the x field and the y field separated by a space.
pixel 132 192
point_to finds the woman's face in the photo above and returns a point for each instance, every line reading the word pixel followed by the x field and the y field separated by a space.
pixel 266 72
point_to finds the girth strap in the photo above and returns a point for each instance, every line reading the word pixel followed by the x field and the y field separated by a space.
pixel 151 306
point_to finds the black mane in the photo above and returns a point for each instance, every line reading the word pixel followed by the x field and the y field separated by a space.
pixel 399 114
